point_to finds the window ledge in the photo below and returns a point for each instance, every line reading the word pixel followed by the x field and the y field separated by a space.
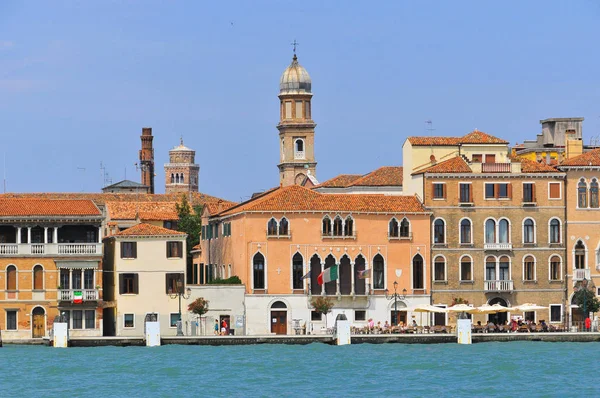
pixel 436 245
pixel 441 282
pixel 529 204
pixel 555 281
pixel 279 236
pixel 532 282
pixel 338 237
pixel 467 245
pixel 467 282
pixel 466 204
pixel 529 244
pixel 556 244
pixel 408 238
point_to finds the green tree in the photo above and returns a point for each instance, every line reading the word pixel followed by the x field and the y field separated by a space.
pixel 189 222
pixel 591 302
pixel 322 305
pixel 199 306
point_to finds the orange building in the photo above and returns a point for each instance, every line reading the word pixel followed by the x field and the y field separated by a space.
pixel 274 239
pixel 50 264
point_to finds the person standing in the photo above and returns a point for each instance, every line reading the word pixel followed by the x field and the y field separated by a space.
pixel 216 327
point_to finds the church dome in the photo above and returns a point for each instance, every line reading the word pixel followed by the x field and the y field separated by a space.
pixel 181 147
pixel 295 79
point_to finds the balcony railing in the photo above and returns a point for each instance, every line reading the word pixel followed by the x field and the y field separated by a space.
pixel 87 294
pixel 580 274
pixel 495 167
pixel 497 246
pixel 48 249
pixel 400 237
pixel 498 286
pixel 299 155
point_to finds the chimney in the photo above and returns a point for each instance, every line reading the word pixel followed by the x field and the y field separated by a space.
pixel 147 159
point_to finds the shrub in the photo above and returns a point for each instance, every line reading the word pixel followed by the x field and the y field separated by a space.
pixel 232 280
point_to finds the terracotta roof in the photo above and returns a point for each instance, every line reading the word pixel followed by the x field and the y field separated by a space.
pixel 148 211
pixel 197 198
pixel 218 206
pixel 341 181
pixel 531 166
pixel 46 207
pixel 197 247
pixel 383 176
pixel 474 137
pixel 591 158
pixel 297 198
pixel 456 164
pixel 148 230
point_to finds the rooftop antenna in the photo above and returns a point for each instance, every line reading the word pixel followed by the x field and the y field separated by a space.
pixel 429 126
pixel 106 180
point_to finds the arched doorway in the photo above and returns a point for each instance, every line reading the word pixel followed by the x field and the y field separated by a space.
pixel 38 328
pixel 279 318
pixel 401 307
pixel 500 317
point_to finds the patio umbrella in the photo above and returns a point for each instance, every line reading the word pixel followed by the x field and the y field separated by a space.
pixel 428 308
pixel 462 308
pixel 529 307
pixel 493 309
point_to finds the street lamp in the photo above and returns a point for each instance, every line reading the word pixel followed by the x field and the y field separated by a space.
pixel 584 284
pixel 180 293
pixel 395 297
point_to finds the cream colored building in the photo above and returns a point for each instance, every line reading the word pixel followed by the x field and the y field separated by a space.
pixel 145 271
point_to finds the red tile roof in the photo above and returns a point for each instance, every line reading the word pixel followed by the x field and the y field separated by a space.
pixel 341 181
pixel 297 198
pixel 531 166
pixel 218 206
pixel 47 208
pixel 148 211
pixel 453 165
pixel 148 230
pixel 591 158
pixel 382 177
pixel 474 137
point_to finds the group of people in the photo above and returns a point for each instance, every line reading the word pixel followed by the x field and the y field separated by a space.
pixel 223 330
pixel 386 327
pixel 515 325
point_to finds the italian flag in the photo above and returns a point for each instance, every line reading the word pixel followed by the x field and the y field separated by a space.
pixel 328 275
pixel 77 297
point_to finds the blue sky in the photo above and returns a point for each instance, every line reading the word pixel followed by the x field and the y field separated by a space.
pixel 79 79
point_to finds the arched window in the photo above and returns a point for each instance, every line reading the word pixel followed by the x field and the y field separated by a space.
pixel 315 271
pixel 378 282
pixel 272 227
pixel 326 230
pixel 528 231
pixel 439 232
pixel 279 305
pixel 555 268
pixel 490 268
pixel 11 277
pixel 349 226
pixel 529 268
pixel 439 272
pixel 258 266
pixel 297 270
pixel 405 228
pixel 465 231
pixel 582 194
pixel 579 255
pixel 393 231
pixel 503 231
pixel 504 268
pixel 299 145
pixel 594 193
pixel 418 272
pixel 38 277
pixel 490 231
pixel 182 179
pixel 172 178
pixel 554 231
pixel 283 227
pixel 177 178
pixel 466 269
pixel 337 226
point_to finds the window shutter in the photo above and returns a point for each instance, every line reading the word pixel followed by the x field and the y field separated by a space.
pixel 444 191
pixel 432 191
pixel 134 249
pixel 121 283
pixel 509 190
pixel 533 192
pixel 136 286
pixel 469 187
pixel 167 283
pixel 496 191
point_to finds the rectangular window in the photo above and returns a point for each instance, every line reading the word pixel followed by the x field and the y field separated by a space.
pixel 554 190
pixel 128 284
pixel 465 270
pixel 65 279
pixel 76 279
pixel 555 313
pixel 11 320
pixel 174 249
pixel 88 279
pixel 476 158
pixel 174 317
pixel 360 315
pixel 316 316
pixel 90 319
pixel 128 321
pixel 77 319
pixel 490 158
pixel 216 230
pixel 288 109
pixel 201 280
pixel 298 109
pixel 203 232
pixel 440 270
pixel 529 316
pixel 439 191
pixel 174 283
pixel 502 190
pixel 465 193
pixel 490 191
pixel 528 192
pixel 128 249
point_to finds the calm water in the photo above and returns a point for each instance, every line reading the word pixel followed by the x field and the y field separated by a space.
pixel 443 370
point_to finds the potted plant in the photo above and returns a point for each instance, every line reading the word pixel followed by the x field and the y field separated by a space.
pixel 322 305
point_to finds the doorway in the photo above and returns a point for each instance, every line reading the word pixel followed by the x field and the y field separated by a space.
pixel 278 318
pixel 401 317
pixel 501 317
pixel 38 329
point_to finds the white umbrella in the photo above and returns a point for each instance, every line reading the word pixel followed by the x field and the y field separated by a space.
pixel 529 307
pixel 462 308
pixel 427 308
pixel 493 309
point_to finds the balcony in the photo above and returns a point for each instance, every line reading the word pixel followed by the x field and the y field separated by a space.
pixel 401 237
pixel 50 249
pixel 498 286
pixel 580 274
pixel 87 294
pixel 495 167
pixel 497 246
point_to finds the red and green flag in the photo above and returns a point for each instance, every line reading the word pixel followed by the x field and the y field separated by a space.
pixel 328 275
pixel 77 297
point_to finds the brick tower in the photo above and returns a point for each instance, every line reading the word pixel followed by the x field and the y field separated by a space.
pixel 147 158
pixel 181 173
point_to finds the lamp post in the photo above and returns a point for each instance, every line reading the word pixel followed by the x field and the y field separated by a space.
pixel 180 293
pixel 584 284
pixel 395 297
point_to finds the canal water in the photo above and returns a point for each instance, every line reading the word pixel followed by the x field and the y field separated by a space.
pixel 529 369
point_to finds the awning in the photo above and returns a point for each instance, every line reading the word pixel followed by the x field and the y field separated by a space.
pixel 89 264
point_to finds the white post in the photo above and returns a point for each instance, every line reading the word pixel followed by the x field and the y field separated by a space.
pixel 55 235
pixel 19 235
pixel 463 331
pixel 323 285
pixel 46 235
pixel 100 234
pixel 352 271
pixel 29 235
pixel 337 281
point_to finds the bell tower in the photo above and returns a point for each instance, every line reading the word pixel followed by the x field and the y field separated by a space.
pixel 296 127
pixel 147 159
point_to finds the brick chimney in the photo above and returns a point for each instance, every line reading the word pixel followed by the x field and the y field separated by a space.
pixel 147 158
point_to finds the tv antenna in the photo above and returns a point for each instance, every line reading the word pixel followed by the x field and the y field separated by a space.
pixel 106 180
pixel 429 126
